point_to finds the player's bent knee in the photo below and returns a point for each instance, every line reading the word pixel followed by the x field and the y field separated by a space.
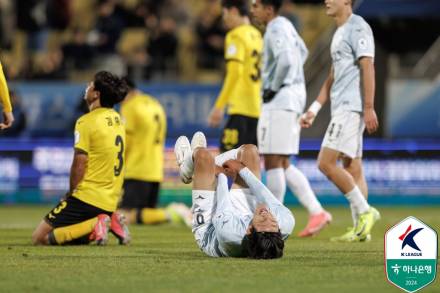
pixel 249 148
pixel 39 238
pixel 326 168
pixel 203 156
pixel 249 151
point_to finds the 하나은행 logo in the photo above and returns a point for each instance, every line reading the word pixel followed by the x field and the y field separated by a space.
pixel 411 254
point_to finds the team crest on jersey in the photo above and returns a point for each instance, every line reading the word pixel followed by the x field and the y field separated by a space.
pixel 362 43
pixel 232 50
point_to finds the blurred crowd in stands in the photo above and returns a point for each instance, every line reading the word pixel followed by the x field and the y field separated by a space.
pixel 147 39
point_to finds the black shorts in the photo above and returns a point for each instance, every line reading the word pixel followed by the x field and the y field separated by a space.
pixel 139 194
pixel 238 130
pixel 72 211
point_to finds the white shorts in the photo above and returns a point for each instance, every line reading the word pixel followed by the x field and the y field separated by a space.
pixel 344 134
pixel 278 132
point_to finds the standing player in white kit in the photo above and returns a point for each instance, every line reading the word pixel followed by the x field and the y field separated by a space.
pixel 350 87
pixel 284 98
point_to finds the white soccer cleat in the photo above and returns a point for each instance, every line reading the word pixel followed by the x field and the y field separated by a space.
pixel 198 140
pixel 182 150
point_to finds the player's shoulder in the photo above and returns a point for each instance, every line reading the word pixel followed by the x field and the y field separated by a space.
pixel 152 101
pixel 85 118
pixel 358 24
pixel 95 115
pixel 279 25
pixel 247 30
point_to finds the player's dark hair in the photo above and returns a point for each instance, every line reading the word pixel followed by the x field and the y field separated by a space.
pixel 276 4
pixel 130 82
pixel 241 5
pixel 112 89
pixel 264 245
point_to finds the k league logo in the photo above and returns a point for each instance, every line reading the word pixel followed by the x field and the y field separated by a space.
pixel 408 238
pixel 411 254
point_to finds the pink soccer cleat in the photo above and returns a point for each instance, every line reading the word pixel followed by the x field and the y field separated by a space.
pixel 316 223
pixel 100 231
pixel 119 228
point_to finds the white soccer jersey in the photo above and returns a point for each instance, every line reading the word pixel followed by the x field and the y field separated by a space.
pixel 281 37
pixel 351 41
pixel 221 218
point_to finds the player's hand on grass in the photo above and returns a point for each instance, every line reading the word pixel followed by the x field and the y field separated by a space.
pixel 307 119
pixel 8 119
pixel 370 119
pixel 215 117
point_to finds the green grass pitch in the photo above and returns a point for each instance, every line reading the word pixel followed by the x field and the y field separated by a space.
pixel 166 259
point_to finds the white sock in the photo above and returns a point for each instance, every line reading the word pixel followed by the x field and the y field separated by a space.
pixel 300 186
pixel 356 198
pixel 354 215
pixel 226 156
pixel 276 183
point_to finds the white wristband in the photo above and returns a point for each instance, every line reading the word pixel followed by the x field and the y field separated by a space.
pixel 315 107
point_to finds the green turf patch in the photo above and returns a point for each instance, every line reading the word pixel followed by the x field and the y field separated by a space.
pixel 166 259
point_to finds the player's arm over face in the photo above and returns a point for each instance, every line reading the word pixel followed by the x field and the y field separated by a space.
pixel 368 88
pixel 78 168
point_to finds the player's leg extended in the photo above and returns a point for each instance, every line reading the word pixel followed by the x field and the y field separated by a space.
pixel 270 145
pixel 300 187
pixel 355 168
pixel 275 177
pixel 345 182
pixel 327 164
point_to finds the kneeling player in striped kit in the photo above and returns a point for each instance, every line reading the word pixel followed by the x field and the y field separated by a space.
pixel 244 221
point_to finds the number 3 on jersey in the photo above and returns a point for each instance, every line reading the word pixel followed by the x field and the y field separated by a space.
pixel 256 75
pixel 119 142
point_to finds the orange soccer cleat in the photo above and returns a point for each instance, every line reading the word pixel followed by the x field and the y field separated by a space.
pixel 100 231
pixel 119 228
pixel 316 223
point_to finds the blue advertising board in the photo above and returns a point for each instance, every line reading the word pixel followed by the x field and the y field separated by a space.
pixel 52 108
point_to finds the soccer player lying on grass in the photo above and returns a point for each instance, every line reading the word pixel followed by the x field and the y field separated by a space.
pixel 245 221
pixel 96 174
